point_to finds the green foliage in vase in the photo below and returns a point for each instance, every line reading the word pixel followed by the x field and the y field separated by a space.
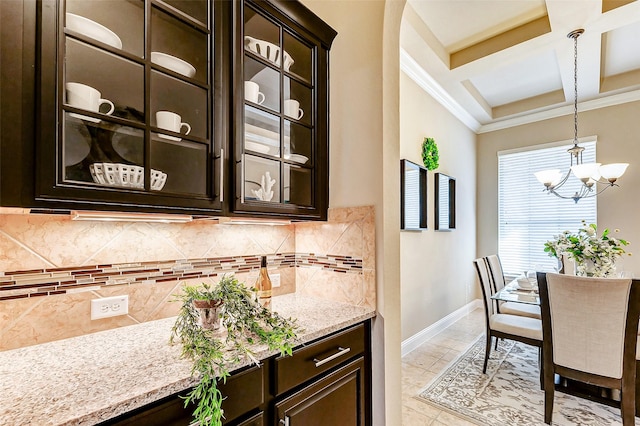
pixel 587 245
pixel 214 353
pixel 430 156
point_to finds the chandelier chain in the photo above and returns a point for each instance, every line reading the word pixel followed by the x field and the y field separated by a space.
pixel 575 89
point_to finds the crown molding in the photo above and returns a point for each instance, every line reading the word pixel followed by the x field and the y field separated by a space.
pixel 416 73
pixel 413 70
pixel 603 102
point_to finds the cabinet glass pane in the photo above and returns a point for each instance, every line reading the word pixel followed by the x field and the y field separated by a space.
pixel 197 9
pixel 262 38
pixel 184 163
pixel 297 143
pixel 261 132
pixel 262 84
pixel 178 47
pixel 297 185
pixel 186 102
pixel 101 75
pixel 92 148
pixel 301 57
pixel 261 179
pixel 120 24
pixel 297 101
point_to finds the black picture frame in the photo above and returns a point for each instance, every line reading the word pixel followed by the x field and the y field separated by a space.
pixel 413 196
pixel 445 202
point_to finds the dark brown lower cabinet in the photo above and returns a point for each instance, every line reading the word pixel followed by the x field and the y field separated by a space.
pixel 325 382
pixel 337 399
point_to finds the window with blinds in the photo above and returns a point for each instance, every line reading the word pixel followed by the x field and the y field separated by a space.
pixel 527 215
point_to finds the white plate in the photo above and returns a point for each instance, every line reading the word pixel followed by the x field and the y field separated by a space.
pixel 173 63
pixel 93 30
pixel 170 138
pixel 257 147
pixel 297 158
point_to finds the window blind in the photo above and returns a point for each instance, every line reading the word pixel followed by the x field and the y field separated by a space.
pixel 527 215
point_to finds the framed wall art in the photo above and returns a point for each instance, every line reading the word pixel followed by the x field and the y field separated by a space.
pixel 413 196
pixel 445 202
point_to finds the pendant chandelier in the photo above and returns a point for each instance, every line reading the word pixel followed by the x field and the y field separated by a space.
pixel 590 174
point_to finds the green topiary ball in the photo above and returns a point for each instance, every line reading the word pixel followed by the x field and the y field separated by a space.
pixel 430 155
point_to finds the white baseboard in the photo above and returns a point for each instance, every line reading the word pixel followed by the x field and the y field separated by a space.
pixel 419 338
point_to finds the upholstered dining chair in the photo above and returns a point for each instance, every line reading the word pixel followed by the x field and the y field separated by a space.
pixel 590 328
pixel 496 275
pixel 499 325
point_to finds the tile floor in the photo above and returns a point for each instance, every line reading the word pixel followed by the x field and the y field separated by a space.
pixel 421 365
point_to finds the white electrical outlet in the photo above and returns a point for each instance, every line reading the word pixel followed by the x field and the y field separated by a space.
pixel 275 280
pixel 109 307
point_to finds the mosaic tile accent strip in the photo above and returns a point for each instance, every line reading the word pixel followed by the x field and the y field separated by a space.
pixel 48 282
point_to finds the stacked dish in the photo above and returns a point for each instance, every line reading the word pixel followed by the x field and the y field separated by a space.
pixel 173 63
pixel 125 176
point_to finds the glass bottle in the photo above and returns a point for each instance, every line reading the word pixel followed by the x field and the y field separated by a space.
pixel 263 285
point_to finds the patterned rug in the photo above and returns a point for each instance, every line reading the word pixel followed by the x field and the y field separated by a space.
pixel 509 394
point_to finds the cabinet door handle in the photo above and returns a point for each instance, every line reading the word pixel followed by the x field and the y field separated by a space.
pixel 341 351
pixel 221 175
pixel 285 422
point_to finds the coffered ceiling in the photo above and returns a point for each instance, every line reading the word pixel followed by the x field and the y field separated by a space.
pixel 498 63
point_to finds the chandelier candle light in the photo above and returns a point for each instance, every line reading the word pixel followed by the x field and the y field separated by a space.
pixel 589 173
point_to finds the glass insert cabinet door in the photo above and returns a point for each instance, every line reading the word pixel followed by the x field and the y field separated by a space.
pixel 131 85
pixel 281 152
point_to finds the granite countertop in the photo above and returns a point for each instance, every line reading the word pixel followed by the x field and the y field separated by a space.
pixel 85 380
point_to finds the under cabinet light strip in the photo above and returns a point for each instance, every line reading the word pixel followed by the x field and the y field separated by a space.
pixel 130 217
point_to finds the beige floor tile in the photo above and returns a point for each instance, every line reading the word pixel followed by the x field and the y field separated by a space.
pixel 448 419
pixel 414 418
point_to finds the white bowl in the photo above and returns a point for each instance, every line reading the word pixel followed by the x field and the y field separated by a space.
pixel 92 29
pixel 173 63
pixel 526 283
pixel 269 51
pixel 298 158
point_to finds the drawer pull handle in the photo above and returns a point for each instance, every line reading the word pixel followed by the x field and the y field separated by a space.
pixel 341 351
pixel 284 422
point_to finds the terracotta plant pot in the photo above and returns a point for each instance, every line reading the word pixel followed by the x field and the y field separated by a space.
pixel 209 312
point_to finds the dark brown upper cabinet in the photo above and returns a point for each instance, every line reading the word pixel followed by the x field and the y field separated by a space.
pixel 165 106
pixel 280 143
pixel 132 104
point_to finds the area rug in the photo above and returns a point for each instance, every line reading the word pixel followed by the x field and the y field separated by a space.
pixel 509 394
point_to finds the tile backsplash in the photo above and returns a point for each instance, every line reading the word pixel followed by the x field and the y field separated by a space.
pixel 52 266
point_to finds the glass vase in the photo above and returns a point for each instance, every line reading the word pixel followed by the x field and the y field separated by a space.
pixel 209 313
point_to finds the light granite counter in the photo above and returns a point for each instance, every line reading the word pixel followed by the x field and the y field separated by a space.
pixel 88 379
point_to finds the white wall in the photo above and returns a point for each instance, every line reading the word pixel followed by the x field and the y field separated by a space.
pixel 364 157
pixel 437 275
pixel 617 129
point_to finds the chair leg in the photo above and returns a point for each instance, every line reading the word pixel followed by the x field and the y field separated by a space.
pixel 496 348
pixel 541 367
pixel 628 402
pixel 487 351
pixel 549 389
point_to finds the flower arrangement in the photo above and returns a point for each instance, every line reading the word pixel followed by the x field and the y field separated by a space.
pixel 594 254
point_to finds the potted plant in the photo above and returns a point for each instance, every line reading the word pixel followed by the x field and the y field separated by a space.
pixel 215 353
pixel 594 254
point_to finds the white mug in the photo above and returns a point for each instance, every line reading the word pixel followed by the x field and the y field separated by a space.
pixel 252 92
pixel 292 109
pixel 86 97
pixel 171 121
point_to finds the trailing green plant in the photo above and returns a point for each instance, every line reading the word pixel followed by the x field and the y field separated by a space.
pixel 430 156
pixel 213 353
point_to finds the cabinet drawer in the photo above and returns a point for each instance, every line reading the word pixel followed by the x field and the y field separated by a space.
pixel 244 391
pixel 309 361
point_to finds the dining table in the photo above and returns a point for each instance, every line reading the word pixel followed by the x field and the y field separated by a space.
pixel 512 292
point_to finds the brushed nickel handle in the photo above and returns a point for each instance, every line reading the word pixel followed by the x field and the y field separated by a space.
pixel 341 351
pixel 285 422
pixel 221 174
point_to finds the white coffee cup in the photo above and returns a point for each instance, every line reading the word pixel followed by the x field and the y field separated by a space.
pixel 171 121
pixel 252 92
pixel 86 97
pixel 292 109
